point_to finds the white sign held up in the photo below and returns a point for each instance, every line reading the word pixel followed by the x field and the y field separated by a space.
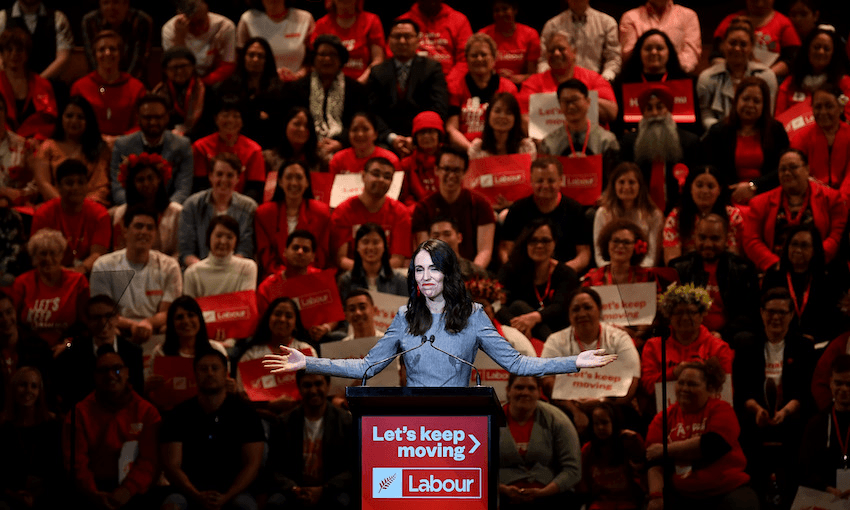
pixel 629 304
pixel 346 186
pixel 607 381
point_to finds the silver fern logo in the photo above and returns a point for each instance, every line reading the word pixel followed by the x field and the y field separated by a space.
pixel 386 483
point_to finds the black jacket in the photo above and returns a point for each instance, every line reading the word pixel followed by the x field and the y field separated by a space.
pixel 297 93
pixel 719 148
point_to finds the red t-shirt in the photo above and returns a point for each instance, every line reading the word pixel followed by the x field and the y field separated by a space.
pixel 347 162
pixel 515 52
pixel 49 311
pixel 521 432
pixel 714 320
pixel 774 35
pixel 419 177
pixel 248 151
pixel 706 346
pixel 357 39
pixel 472 109
pixel 443 37
pixel 544 82
pixel 393 216
pixel 89 227
pixel 114 104
pixel 748 158
pixel 699 480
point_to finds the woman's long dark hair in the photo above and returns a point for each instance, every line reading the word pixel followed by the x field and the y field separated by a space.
pixel 688 211
pixel 269 75
pixel 263 333
pixel 358 275
pixel 171 345
pixel 519 261
pixel 279 195
pixel 161 200
pixel 633 67
pixel 91 140
pixel 515 135
pixel 458 302
pixel 311 152
pixel 765 120
pixel 817 265
pixel 802 67
pixel 617 451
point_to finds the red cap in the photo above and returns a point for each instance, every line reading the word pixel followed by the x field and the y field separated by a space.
pixel 428 120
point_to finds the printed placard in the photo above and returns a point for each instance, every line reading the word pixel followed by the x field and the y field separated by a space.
pixel 387 307
pixel 315 294
pixel 683 99
pixel 725 393
pixel 629 304
pixel 263 386
pixel 234 312
pixel 811 499
pixel 582 179
pixel 544 115
pixel 179 384
pixel 607 381
pixel 357 348
pixel 346 186
pixel 494 176
pixel 797 117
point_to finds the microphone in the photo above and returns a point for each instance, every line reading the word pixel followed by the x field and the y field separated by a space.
pixel 477 373
pixel 394 356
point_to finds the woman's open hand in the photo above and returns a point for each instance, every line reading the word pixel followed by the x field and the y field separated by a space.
pixel 593 359
pixel 290 361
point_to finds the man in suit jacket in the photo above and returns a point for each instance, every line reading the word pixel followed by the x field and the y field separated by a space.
pixel 154 137
pixel 423 87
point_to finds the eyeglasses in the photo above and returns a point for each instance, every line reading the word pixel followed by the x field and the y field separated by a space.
pixel 541 240
pixel 622 242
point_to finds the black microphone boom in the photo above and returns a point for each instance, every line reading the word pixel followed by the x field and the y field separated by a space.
pixel 477 373
pixel 363 382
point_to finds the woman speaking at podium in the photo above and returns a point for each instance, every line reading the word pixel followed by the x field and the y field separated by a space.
pixel 440 313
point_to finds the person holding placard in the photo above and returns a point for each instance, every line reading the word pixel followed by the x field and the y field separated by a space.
pixel 440 308
pixel 503 132
pixel 299 256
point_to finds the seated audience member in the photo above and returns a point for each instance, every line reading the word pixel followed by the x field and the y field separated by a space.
pixel 260 92
pixel 537 284
pixel 17 183
pixel 134 25
pixel 705 192
pixel 221 272
pixel 826 142
pixel 716 85
pixel 112 416
pixel 50 298
pixel 404 86
pixel 685 306
pixel 660 147
pixel 478 226
pixel 333 97
pixel 362 134
pixel 212 444
pixel 420 178
pixel 445 32
pixel 447 229
pixel 76 137
pixel 360 311
pixel 143 179
pixel 502 130
pixel 586 332
pixel 677 21
pixel 539 451
pixel 518 45
pixel 360 30
pixel 804 15
pixel 471 93
pixel 298 259
pixel 288 31
pixel 210 36
pixel 299 142
pixel 372 206
pixel 183 90
pixel 228 139
pixel 51 56
pixel 31 446
pixel 185 335
pixel 771 375
pixel 371 267
pixel 154 137
pixel 220 198
pixel 746 146
pixel 561 58
pixel 611 462
pixel 776 40
pixel 572 229
pixel 821 460
pixel 797 200
pixel 621 245
pixel 816 289
pixel 291 208
pixel 33 109
pixel 703 440
pixel 627 197
pixel 313 456
pixel 111 92
pixel 83 222
pixel 731 281
pixel 13 258
pixel 485 291
pixel 594 35
pixel 821 386
pixel 577 137
pixel 19 347
pixel 143 281
pixel 75 366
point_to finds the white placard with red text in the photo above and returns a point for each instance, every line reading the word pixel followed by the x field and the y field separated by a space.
pixel 357 348
pixel 346 186
pixel 811 499
pixel 629 304
pixel 544 115
pixel 683 99
pixel 597 383
pixel 387 306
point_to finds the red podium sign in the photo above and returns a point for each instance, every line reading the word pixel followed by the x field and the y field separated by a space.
pixel 683 100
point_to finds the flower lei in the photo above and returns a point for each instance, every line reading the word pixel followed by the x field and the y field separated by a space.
pixel 486 288
pixel 155 161
pixel 688 294
pixel 641 246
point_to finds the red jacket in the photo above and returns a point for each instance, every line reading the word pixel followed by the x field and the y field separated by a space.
pixel 828 209
pixel 830 167
pixel 706 346
pixel 272 230
pixel 40 96
pixel 821 391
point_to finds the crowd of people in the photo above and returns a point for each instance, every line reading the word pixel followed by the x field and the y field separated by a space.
pixel 127 206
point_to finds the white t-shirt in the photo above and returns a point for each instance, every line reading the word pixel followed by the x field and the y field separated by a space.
pixel 774 354
pixel 138 289
pixel 287 37
pixel 215 46
pixel 613 340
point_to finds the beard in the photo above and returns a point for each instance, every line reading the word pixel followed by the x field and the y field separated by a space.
pixel 657 140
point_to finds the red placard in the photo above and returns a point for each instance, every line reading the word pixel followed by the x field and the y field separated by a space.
pixel 316 294
pixel 262 386
pixel 270 186
pixel 797 117
pixel 582 178
pixel 321 184
pixel 235 313
pixel 179 384
pixel 507 176
pixel 683 99
pixel 424 462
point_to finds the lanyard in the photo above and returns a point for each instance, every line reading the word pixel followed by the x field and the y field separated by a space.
pixel 584 147
pixel 177 108
pixel 797 308
pixel 643 77
pixel 545 293
pixel 584 347
pixel 791 219
pixel 73 240
pixel 842 444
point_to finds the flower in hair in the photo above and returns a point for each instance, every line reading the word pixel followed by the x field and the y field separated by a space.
pixel 688 294
pixel 155 161
pixel 641 247
pixel 487 289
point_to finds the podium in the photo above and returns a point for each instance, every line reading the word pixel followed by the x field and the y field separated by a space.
pixel 426 448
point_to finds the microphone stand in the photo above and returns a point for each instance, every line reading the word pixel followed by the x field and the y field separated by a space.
pixel 366 372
